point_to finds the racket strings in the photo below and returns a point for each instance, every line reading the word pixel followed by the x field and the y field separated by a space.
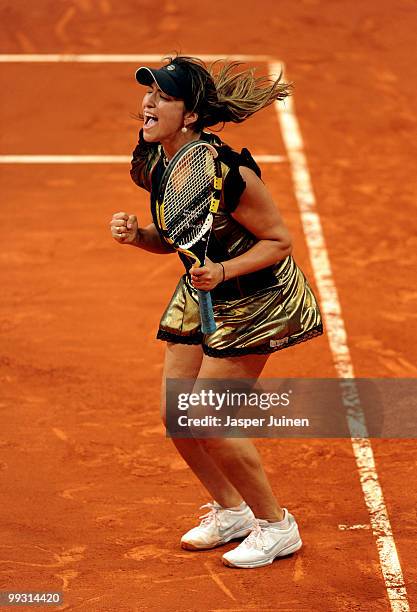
pixel 189 204
pixel 196 164
pixel 189 192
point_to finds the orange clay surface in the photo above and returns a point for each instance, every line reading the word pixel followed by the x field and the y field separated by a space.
pixel 94 497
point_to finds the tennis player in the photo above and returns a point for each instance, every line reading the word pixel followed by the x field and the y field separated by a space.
pixel 262 301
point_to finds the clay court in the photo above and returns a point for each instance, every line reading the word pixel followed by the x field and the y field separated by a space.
pixel 94 496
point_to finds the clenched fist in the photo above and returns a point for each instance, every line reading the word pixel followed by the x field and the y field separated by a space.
pixel 124 227
pixel 208 276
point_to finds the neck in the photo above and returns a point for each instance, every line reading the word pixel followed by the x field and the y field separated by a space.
pixel 172 145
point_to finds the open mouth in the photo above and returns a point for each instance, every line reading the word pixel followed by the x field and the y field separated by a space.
pixel 150 120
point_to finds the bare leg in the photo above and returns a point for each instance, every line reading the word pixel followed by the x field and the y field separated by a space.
pixel 184 361
pixel 238 458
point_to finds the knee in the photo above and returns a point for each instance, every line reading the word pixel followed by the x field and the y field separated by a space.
pixel 239 451
pixel 206 444
pixel 215 446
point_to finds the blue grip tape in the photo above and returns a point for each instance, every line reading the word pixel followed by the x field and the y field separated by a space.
pixel 208 325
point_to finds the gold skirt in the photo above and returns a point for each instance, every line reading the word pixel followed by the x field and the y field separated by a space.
pixel 265 321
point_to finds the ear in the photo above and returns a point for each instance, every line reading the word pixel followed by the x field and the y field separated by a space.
pixel 190 119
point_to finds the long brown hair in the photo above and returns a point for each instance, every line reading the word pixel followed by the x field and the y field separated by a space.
pixel 221 93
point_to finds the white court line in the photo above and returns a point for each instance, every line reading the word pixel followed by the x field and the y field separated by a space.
pixel 101 159
pixel 353 527
pixel 336 333
pixel 119 58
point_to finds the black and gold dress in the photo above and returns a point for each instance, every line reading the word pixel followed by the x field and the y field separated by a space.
pixel 257 313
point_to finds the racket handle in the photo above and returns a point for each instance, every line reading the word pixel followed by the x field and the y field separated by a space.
pixel 208 325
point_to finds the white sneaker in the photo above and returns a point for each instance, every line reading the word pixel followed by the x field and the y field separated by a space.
pixel 219 525
pixel 265 542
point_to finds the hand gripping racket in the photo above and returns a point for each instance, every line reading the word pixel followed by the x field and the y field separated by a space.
pixel 188 196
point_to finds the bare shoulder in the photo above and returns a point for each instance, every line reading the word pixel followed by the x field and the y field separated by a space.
pixel 257 210
pixel 255 188
pixel 249 175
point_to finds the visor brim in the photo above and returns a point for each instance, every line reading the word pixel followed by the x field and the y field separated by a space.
pixel 147 76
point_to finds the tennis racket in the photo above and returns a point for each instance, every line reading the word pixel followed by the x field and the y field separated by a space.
pixel 188 196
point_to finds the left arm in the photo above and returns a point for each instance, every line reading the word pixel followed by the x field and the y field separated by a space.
pixel 258 213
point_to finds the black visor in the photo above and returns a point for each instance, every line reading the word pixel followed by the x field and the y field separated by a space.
pixel 172 79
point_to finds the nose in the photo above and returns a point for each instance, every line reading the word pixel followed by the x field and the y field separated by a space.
pixel 149 100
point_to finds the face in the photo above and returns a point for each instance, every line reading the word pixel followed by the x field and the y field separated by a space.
pixel 163 115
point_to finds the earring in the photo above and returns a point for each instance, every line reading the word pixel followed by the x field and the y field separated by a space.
pixel 184 130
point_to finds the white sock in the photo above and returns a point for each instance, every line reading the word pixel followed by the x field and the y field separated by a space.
pixel 241 506
pixel 284 524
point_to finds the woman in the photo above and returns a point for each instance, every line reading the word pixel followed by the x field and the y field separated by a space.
pixel 261 299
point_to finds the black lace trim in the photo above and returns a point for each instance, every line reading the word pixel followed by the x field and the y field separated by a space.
pixel 170 337
pixel 263 349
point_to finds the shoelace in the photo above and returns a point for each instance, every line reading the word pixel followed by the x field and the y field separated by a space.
pixel 211 515
pixel 256 537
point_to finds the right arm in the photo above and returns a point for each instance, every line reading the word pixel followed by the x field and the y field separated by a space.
pixel 124 227
pixel 125 230
pixel 148 239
